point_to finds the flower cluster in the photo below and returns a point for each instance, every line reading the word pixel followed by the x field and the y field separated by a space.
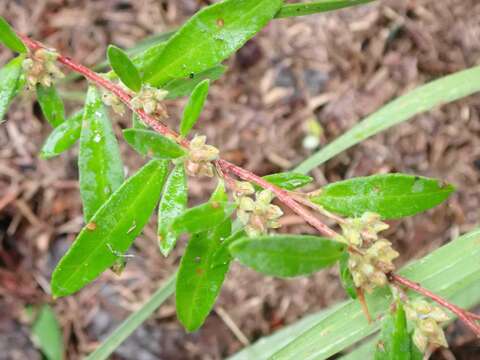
pixel 113 101
pixel 150 100
pixel 426 318
pixel 257 215
pixel 200 157
pixel 41 68
pixel 372 257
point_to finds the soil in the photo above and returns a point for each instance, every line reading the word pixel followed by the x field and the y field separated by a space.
pixel 334 68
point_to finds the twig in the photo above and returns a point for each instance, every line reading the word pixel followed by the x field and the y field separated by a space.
pixel 464 315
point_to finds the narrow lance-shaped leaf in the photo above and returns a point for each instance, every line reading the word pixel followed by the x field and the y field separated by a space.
pixel 209 37
pixel 288 180
pixel 99 163
pixel 184 86
pixel 313 7
pixel 124 68
pixel 287 255
pixel 390 195
pixel 51 104
pixel 200 218
pixel 346 277
pixel 173 204
pixel 198 282
pixel 150 143
pixel 9 79
pixel 111 230
pixel 9 38
pixel 63 136
pixel 47 335
pixel 194 107
pixel 395 341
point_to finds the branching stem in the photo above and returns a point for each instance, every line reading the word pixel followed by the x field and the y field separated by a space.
pixel 229 169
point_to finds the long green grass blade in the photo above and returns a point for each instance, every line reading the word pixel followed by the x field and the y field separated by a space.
pixel 134 321
pixel 423 98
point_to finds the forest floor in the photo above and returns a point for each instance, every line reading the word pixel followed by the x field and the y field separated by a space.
pixel 334 68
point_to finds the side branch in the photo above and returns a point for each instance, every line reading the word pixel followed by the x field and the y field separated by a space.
pixel 465 316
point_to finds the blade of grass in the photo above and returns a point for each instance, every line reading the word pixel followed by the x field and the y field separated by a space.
pixel 134 321
pixel 313 7
pixel 423 98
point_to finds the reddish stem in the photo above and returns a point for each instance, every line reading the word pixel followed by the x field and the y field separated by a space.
pixel 462 314
pixel 282 195
pixel 110 86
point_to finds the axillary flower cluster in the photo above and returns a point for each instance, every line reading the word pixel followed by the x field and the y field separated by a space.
pixel 258 215
pixel 41 68
pixel 200 157
pixel 426 319
pixel 371 257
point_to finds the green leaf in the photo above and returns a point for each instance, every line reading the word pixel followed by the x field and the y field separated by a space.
pixel 47 335
pixel 124 68
pixel 287 255
pixel 9 38
pixel 9 80
pixel 173 204
pixel 289 180
pixel 147 57
pixel 194 107
pixel 150 143
pixel 347 324
pixel 222 255
pixel 346 276
pixel 395 341
pixel 183 87
pixel 63 136
pixel 111 230
pixel 423 98
pixel 99 163
pixel 200 218
pixel 313 7
pixel 209 37
pixel 390 195
pixel 198 282
pixel 51 104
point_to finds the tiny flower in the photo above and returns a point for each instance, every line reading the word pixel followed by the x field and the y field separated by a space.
pixel 426 319
pixel 243 188
pixel 41 68
pixel 258 215
pixel 114 102
pixel 149 99
pixel 200 157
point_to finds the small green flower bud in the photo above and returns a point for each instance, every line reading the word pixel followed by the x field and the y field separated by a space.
pixel 41 68
pixel 246 204
pixel 150 100
pixel 244 188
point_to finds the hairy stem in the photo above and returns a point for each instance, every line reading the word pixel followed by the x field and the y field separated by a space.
pixel 465 316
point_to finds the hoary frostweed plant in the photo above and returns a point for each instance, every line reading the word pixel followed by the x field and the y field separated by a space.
pixel 242 219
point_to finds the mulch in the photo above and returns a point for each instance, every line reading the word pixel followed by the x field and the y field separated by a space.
pixel 330 68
